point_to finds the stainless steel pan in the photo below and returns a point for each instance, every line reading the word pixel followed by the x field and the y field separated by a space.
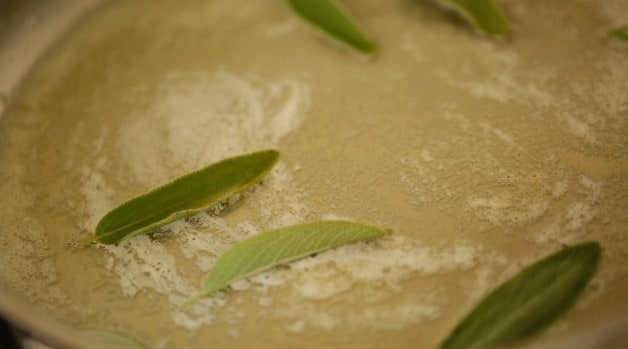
pixel 27 29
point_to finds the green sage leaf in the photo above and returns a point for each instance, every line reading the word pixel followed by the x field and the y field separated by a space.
pixel 185 196
pixel 529 302
pixel 271 248
pixel 483 15
pixel 327 16
pixel 112 339
pixel 620 33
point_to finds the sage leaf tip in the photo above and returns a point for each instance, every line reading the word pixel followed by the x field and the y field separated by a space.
pixel 619 33
pixel 330 18
pixel 483 15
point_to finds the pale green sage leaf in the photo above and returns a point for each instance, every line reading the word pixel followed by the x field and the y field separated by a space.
pixel 271 248
pixel 529 302
pixel 327 16
pixel 185 196
pixel 483 15
pixel 112 339
pixel 620 33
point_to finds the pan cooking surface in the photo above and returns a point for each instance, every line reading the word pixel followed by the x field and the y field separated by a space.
pixel 481 156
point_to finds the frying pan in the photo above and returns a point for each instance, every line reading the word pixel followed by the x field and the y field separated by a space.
pixel 27 30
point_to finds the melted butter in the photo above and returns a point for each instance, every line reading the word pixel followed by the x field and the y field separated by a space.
pixel 481 156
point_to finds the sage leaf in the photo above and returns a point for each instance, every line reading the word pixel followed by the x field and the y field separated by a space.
pixel 529 302
pixel 620 33
pixel 328 17
pixel 271 248
pixel 185 196
pixel 483 15
pixel 112 339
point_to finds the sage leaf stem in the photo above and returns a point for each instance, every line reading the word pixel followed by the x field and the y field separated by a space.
pixel 112 339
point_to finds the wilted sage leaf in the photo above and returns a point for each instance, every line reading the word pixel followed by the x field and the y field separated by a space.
pixel 271 248
pixel 185 196
pixel 529 302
